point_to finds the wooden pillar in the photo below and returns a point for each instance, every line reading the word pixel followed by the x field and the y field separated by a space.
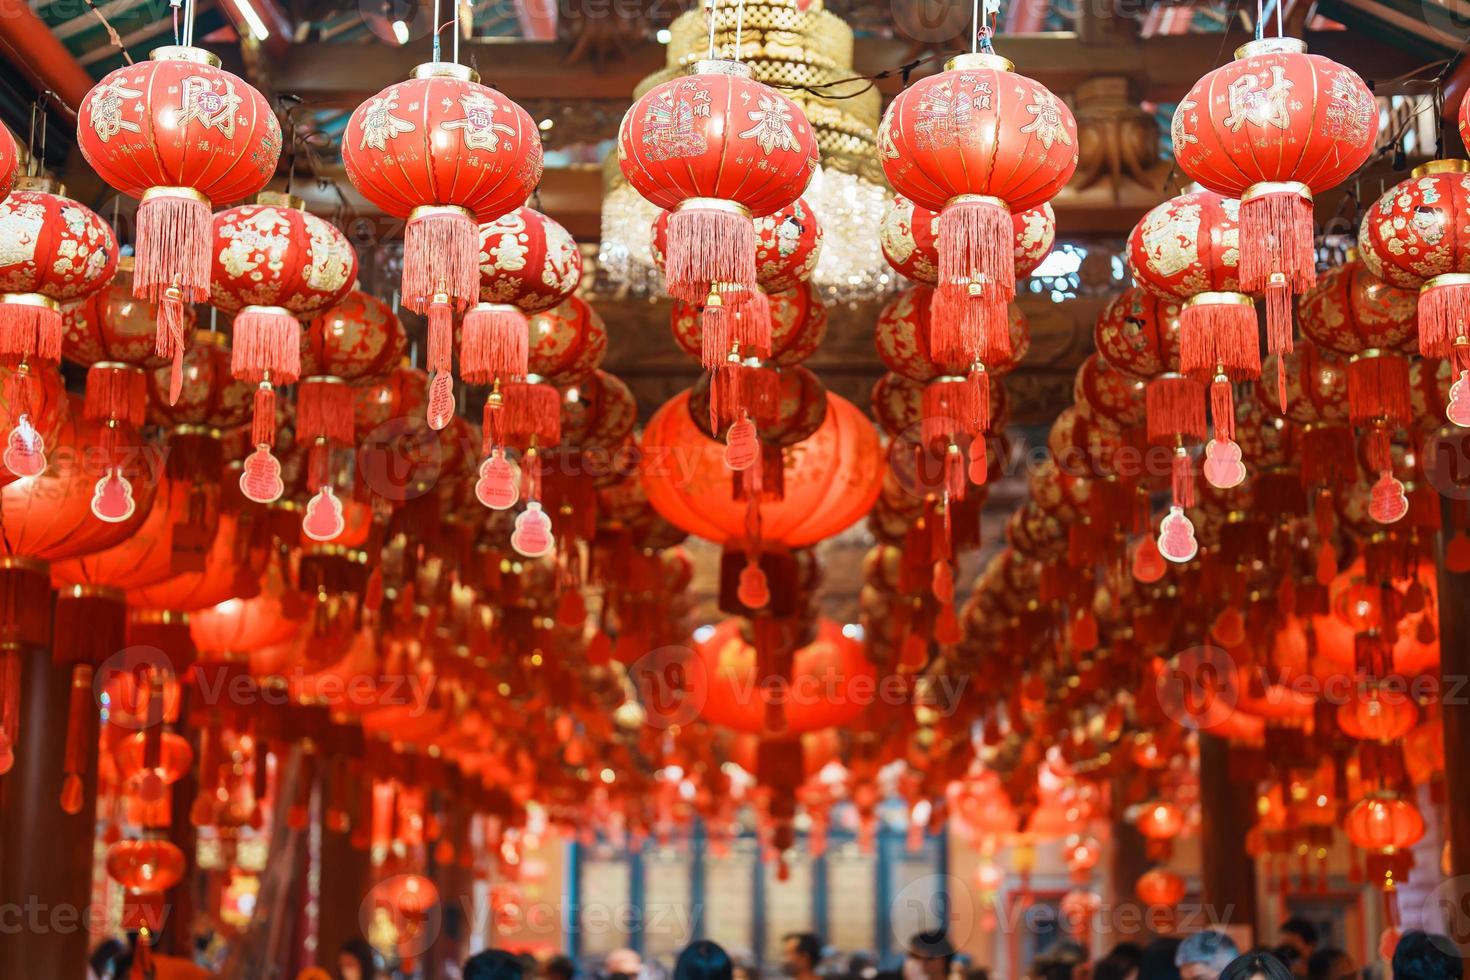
pixel 1128 861
pixel 183 898
pixel 46 871
pixel 345 878
pixel 1227 872
pixel 1454 667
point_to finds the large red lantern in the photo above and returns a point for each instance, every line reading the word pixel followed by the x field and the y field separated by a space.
pixel 716 148
pixel 359 339
pixel 9 162
pixel 904 332
pixel 184 136
pixel 274 265
pixel 114 325
pixel 788 244
pixel 1351 310
pixel 976 143
pixel 1160 888
pixel 447 153
pixel 57 250
pixel 1138 334
pixel 1273 128
pixel 1415 237
pixel 1386 826
pixel 567 342
pixel 909 236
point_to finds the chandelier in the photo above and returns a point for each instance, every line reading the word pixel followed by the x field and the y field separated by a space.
pixel 786 43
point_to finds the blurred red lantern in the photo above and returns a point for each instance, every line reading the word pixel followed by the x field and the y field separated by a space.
pixel 1375 715
pixel 150 865
pixel 1273 128
pixel 183 136
pixel 1138 334
pixel 407 150
pixel 9 162
pixel 231 568
pixel 690 147
pixel 59 250
pixel 114 325
pixel 953 143
pixel 1109 397
pixel 239 625
pixel 1159 887
pixel 1159 820
pixel 909 236
pixel 1384 823
pixel 359 339
pixel 567 342
pixel 597 412
pixel 904 331
pixel 830 480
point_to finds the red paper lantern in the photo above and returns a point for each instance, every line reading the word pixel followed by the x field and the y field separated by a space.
pixel 1273 128
pixel 716 148
pixel 1415 237
pixel 1375 715
pixel 1138 334
pixel 58 251
pixel 909 236
pixel 597 412
pixel 114 325
pixel 568 342
pixel 274 265
pixel 787 246
pixel 150 866
pixel 1351 310
pixel 447 153
pixel 183 136
pixel 1384 823
pixel 9 163
pixel 359 339
pixel 1159 887
pixel 1159 820
pixel 797 318
pixel 903 336
pixel 830 480
pixel 976 142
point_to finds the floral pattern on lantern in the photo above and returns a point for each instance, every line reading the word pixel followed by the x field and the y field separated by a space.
pixel 1351 310
pixel 358 339
pixel 568 342
pixel 528 261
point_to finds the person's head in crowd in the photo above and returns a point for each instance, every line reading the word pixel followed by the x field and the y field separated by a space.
pixel 1157 961
pixel 1255 966
pixel 1421 956
pixel 494 964
pixel 928 956
pixel 1204 955
pixel 1121 963
pixel 800 954
pixel 743 968
pixel 1060 961
pixel 103 963
pixel 1300 935
pixel 558 967
pixel 1292 959
pixel 704 960
pixel 1330 964
pixel 622 964
pixel 355 960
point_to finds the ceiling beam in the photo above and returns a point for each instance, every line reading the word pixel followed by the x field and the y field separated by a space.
pixel 1163 68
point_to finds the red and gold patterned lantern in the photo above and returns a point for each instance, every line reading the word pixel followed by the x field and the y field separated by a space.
pixel 1415 236
pixel 798 319
pixel 9 162
pixel 976 143
pixel 717 149
pixel 448 154
pixel 274 265
pixel 528 264
pixel 359 339
pixel 1351 310
pixel 183 136
pixel 114 325
pixel 567 342
pixel 905 326
pixel 909 236
pixel 1273 128
pixel 1138 334
pixel 1188 250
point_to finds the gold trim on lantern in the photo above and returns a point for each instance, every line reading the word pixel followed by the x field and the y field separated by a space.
pixel 1219 299
pixel 430 210
pixel 712 204
pixel 325 379
pixel 1266 187
pixel 191 429
pixel 721 66
pixel 1441 167
pixel 183 52
pixel 1446 279
pixel 154 193
pixel 445 69
pixel 978 199
pixel 31 299
pixel 89 591
pixel 159 616
pixel 1372 353
pixel 118 366
pixel 24 564
pixel 268 311
pixel 1271 45
pixel 278 199
pixel 495 308
pixel 979 59
pixel 214 337
pixel 951 378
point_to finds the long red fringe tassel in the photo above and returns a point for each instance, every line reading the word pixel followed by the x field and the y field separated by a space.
pixel 116 391
pixel 495 343
pixel 1276 241
pixel 715 344
pixel 1378 388
pixel 168 339
pixel 1175 406
pixel 965 328
pixel 1442 316
pixel 533 411
pixel 30 324
pixel 263 419
pixel 977 247
pixel 953 406
pixel 1181 479
pixel 1328 456
pixel 737 389
pixel 265 342
pixel 439 361
pixel 441 256
pixel 709 245
pixel 752 324
pixel 324 410
pixel 174 233
pixel 1219 334
pixel 1222 409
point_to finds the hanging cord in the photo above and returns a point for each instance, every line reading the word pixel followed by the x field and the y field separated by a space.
pixel 710 8
pixel 190 9
pixel 112 35
pixel 739 26
pixel 438 26
pixel 456 31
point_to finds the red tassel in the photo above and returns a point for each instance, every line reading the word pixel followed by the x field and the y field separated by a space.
pixel 977 246
pixel 492 422
pixel 441 259
pixel 533 411
pixel 1279 324
pixel 494 344
pixel 1276 242
pixel 715 344
pixel 1222 408
pixel 174 233
pixel 1327 456
pixel 965 328
pixel 954 472
pixel 1181 473
pixel 265 343
pixel 710 241
pixel 30 324
pixel 1218 331
pixel 441 334
pixel 168 339
pixel 263 420
pixel 1175 407
pixel 324 410
pixel 1443 302
pixel 737 389
pixel 952 406
pixel 1378 388
pixel 116 391
pixel 1378 450
pixel 752 324
pixel 979 461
